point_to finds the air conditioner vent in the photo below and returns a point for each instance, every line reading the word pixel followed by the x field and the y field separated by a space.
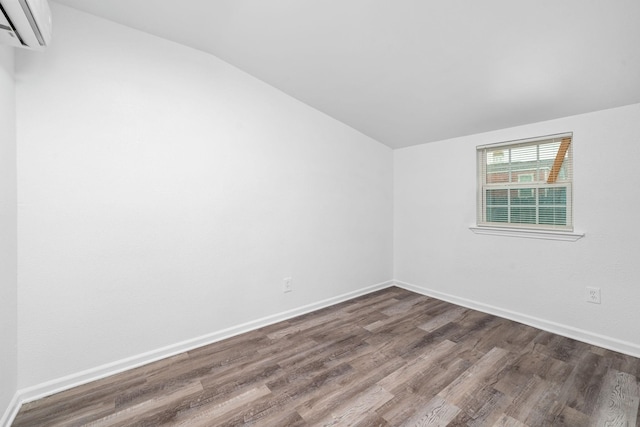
pixel 25 23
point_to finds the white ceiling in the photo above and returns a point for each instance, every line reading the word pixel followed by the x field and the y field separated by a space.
pixel 407 72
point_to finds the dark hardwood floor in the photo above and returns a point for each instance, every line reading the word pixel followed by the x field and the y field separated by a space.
pixel 389 358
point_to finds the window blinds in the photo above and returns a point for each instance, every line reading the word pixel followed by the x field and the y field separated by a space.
pixel 526 183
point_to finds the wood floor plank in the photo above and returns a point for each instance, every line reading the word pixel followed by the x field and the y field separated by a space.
pixel 618 401
pixel 437 412
pixel 526 397
pixel 128 415
pixel 206 416
pixel 562 415
pixel 507 421
pixel 401 376
pixel 444 318
pixel 404 305
pixel 421 389
pixel 581 389
pixel 485 411
pixel 474 377
pixel 318 407
pixel 355 410
pixel 388 358
pixel 82 416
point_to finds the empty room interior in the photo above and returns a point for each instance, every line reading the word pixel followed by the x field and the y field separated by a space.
pixel 321 213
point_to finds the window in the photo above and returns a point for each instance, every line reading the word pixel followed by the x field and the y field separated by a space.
pixel 526 184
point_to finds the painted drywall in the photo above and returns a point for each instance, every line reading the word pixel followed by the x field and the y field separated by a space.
pixel 537 281
pixel 164 195
pixel 8 227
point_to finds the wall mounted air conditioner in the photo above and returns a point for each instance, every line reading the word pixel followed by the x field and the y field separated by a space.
pixel 25 23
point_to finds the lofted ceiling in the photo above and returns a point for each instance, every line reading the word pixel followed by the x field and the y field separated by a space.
pixel 407 72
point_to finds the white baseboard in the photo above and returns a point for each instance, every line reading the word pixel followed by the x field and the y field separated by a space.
pixel 632 349
pixel 60 384
pixel 11 412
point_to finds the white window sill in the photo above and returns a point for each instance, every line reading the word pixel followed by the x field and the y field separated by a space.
pixel 565 236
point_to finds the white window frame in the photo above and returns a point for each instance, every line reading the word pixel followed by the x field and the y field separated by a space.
pixel 543 231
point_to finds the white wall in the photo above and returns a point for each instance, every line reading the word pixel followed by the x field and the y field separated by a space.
pixel 536 281
pixel 8 250
pixel 164 195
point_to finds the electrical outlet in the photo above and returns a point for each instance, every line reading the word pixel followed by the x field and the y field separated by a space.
pixel 593 295
pixel 286 285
